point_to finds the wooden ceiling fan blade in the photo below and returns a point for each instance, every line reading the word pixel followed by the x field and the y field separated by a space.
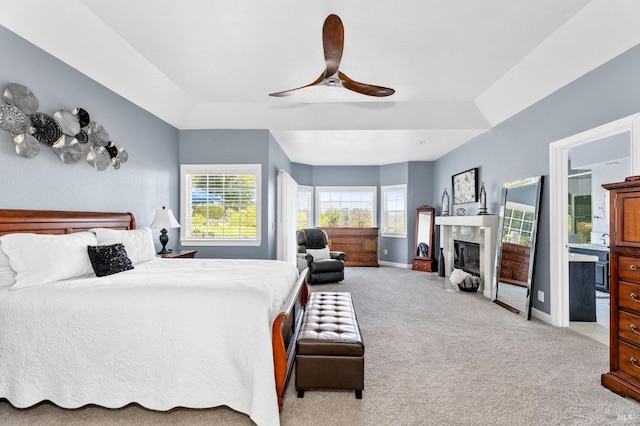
pixel 333 43
pixel 365 89
pixel 318 81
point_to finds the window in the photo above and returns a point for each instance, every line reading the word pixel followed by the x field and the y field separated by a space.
pixel 305 207
pixel 346 206
pixel 220 204
pixel 518 223
pixel 580 214
pixel 394 211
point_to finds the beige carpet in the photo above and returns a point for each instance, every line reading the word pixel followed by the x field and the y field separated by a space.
pixel 433 357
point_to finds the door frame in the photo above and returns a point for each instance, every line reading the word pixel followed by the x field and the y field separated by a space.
pixel 559 190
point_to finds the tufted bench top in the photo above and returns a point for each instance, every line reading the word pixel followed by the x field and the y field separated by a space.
pixel 329 326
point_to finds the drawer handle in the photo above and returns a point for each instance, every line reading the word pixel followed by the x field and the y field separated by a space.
pixel 633 267
pixel 634 361
pixel 635 297
pixel 635 329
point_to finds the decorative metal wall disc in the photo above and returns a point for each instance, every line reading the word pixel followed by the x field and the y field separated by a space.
pixel 97 134
pixel 21 97
pixel 12 119
pixel 68 122
pixel 98 157
pixel 68 149
pixel 111 149
pixel 26 145
pixel 83 117
pixel 82 136
pixel 45 128
pixel 123 155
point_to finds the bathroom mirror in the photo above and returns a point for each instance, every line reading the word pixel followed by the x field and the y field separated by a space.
pixel 515 254
pixel 423 256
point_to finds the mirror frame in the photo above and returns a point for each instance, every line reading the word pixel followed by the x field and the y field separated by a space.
pixel 425 263
pixel 538 181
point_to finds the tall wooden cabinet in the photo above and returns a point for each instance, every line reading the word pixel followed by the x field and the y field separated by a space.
pixel 624 375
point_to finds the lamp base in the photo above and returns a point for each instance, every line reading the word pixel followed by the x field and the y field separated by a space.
pixel 164 239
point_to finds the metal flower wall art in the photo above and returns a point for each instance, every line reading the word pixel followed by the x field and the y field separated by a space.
pixel 71 134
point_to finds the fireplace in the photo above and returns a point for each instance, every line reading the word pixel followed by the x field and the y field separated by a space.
pixel 466 256
pixel 479 230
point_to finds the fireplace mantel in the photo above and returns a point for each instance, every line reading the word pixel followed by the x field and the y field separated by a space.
pixel 479 220
pixel 481 229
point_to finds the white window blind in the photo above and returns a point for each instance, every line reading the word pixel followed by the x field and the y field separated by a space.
pixel 221 204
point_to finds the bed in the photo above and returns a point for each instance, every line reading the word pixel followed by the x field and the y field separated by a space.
pixel 168 333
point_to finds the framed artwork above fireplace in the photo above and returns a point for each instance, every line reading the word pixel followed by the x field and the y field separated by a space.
pixel 465 186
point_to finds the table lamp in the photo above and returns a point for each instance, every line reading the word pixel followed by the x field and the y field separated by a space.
pixel 164 219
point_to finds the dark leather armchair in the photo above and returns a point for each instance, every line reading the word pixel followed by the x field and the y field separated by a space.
pixel 325 266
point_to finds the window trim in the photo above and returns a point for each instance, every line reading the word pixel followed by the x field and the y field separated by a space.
pixel 185 191
pixel 364 188
pixel 309 189
pixel 383 224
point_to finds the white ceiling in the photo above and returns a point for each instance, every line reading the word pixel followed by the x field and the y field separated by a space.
pixel 459 67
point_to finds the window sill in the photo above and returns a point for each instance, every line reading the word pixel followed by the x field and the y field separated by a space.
pixel 200 242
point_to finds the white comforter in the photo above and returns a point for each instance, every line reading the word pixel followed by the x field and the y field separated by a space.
pixel 171 332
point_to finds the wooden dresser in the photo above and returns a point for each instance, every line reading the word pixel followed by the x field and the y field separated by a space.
pixel 514 264
pixel 624 375
pixel 359 244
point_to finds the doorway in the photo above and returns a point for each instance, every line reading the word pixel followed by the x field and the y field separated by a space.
pixel 558 177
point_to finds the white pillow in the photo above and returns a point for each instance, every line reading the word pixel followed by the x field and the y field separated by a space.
pixel 7 275
pixel 319 254
pixel 457 276
pixel 137 242
pixel 40 259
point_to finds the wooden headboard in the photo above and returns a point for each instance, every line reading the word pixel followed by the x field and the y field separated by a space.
pixel 61 222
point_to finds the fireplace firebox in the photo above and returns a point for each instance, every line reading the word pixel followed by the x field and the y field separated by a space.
pixel 467 256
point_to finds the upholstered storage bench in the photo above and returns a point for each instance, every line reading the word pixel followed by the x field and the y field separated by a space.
pixel 329 348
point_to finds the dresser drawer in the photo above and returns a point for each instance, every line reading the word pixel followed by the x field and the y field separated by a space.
pixel 629 327
pixel 511 265
pixel 516 257
pixel 629 269
pixel 521 275
pixel 629 359
pixel 629 296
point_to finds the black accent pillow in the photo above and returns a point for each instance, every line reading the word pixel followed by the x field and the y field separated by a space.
pixel 109 260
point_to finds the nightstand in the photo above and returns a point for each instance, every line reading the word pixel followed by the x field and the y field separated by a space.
pixel 179 254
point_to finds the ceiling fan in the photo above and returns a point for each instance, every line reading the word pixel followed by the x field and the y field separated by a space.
pixel 333 44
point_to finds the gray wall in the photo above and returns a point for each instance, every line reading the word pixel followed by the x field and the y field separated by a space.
pixel 417 175
pixel 227 146
pixel 420 192
pixel 519 147
pixel 146 182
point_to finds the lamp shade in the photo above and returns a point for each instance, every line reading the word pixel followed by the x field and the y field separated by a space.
pixel 164 219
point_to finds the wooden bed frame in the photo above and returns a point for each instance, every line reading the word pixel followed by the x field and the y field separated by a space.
pixel 285 327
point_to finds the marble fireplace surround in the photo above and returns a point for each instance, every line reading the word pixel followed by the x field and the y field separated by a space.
pixel 480 229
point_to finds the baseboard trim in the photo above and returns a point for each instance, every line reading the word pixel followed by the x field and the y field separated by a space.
pixel 395 264
pixel 542 316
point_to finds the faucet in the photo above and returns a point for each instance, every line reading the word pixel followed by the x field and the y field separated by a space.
pixel 604 238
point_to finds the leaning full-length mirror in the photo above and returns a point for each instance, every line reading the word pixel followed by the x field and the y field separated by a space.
pixel 423 256
pixel 515 255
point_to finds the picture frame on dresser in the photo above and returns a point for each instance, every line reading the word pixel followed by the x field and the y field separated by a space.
pixel 465 186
